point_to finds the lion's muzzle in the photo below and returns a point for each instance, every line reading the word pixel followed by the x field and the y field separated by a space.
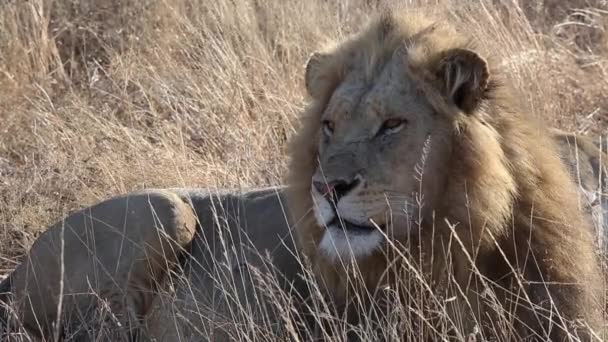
pixel 349 231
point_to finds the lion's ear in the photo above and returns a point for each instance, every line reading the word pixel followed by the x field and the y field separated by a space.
pixel 318 76
pixel 465 77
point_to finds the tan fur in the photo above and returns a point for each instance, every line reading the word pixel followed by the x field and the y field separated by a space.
pixel 118 251
pixel 499 179
pixel 159 264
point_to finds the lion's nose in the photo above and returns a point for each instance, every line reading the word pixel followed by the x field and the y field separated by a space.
pixel 337 189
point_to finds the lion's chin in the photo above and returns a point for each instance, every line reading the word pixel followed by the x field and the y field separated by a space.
pixel 344 245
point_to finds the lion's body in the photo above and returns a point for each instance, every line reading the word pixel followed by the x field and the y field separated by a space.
pixel 587 161
pixel 220 297
pixel 122 249
pixel 499 205
pixel 93 254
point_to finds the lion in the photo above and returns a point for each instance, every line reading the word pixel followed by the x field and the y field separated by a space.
pixel 411 138
pixel 93 254
pixel 166 264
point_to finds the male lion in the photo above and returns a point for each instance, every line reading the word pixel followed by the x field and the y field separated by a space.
pixel 410 139
pixel 414 139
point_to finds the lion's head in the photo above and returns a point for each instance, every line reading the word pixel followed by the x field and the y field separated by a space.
pixel 412 136
pixel 371 158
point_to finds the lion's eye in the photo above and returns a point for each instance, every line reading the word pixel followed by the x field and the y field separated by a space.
pixel 328 127
pixel 392 125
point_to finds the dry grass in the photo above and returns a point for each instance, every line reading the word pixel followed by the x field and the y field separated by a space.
pixel 104 97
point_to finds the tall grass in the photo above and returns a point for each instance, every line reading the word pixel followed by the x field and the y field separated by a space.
pixel 104 97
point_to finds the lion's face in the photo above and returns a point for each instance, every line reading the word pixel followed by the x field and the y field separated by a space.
pixel 383 140
pixel 374 152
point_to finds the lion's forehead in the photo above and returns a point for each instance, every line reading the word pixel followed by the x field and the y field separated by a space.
pixel 384 96
pixel 346 98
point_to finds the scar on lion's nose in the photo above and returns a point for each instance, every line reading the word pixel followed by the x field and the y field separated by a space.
pixel 336 189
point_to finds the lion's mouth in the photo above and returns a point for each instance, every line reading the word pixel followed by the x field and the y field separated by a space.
pixel 353 227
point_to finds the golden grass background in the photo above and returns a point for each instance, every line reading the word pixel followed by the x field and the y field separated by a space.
pixel 103 97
